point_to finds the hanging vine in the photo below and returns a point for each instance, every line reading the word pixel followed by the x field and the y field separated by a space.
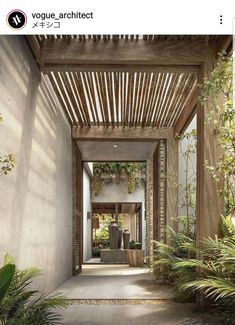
pixel 133 173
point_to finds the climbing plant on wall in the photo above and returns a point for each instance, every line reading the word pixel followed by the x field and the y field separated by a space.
pixel 7 161
pixel 219 91
pixel 187 188
pixel 133 173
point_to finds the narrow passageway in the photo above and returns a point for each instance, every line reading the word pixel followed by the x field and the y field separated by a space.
pixel 119 294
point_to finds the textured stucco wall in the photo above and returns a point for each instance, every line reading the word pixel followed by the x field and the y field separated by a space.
pixel 118 193
pixel 36 198
pixel 86 221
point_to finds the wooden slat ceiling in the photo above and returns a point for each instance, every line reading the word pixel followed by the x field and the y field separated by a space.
pixel 122 98
pixel 130 37
pixel 125 98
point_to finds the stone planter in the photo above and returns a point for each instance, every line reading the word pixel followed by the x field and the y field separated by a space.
pixel 136 257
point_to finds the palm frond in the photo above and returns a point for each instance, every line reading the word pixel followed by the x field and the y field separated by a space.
pixel 214 287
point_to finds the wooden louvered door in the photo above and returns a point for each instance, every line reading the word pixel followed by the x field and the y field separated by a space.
pixel 77 210
pixel 159 191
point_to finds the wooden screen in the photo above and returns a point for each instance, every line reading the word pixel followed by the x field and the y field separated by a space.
pixel 77 209
pixel 159 191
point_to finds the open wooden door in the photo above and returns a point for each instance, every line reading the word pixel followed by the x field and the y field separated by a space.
pixel 77 210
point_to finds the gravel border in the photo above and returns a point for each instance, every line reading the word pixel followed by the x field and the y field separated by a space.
pixel 121 301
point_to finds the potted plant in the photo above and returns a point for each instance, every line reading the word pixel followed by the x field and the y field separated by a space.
pixel 135 254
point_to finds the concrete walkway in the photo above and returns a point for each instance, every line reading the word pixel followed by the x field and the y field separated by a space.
pixel 115 282
pixel 118 294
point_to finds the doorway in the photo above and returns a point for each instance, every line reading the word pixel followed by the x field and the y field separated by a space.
pixel 128 216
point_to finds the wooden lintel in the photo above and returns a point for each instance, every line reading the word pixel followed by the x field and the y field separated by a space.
pixel 99 133
pixel 120 68
pixel 188 112
pixel 34 45
pixel 164 52
pixel 225 43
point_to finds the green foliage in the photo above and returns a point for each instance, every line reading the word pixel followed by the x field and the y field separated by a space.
pixel 187 189
pixel 7 162
pixel 227 226
pixel 219 92
pixel 6 275
pixel 216 276
pixel 106 173
pixel 210 268
pixel 22 306
pixel 135 245
pixel 102 234
pixel 213 274
pixel 181 248
pixel 95 252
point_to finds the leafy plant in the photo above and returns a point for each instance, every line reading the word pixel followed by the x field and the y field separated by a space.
pixel 19 305
pixel 227 226
pixel 135 245
pixel 187 189
pixel 216 276
pixel 7 161
pixel 181 248
pixel 6 275
pixel 219 92
pixel 107 173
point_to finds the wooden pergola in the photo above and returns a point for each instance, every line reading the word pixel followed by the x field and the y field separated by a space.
pixel 138 88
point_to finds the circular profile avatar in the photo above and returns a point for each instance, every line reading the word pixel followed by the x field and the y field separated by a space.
pixel 16 19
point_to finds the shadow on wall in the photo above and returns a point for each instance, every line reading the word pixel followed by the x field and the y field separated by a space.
pixel 36 198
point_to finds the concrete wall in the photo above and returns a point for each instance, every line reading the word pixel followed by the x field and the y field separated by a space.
pixel 36 198
pixel 86 221
pixel 118 193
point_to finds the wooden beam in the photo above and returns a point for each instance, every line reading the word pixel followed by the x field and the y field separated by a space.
pixel 188 112
pixel 100 133
pixel 210 204
pixel 225 43
pixel 119 68
pixel 164 52
pixel 34 45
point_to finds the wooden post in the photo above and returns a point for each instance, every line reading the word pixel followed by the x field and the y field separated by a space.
pixel 210 205
pixel 172 182
pixel 116 212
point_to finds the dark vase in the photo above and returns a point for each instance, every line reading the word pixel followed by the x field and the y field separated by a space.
pixel 113 235
pixel 120 239
pixel 126 239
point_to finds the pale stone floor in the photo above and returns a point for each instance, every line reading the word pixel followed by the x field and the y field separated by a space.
pixel 118 294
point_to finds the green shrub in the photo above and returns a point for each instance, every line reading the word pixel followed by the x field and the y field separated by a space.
pixel 216 272
pixel 181 248
pixel 20 305
pixel 135 245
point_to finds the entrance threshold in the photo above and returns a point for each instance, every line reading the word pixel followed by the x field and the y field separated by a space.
pixel 97 260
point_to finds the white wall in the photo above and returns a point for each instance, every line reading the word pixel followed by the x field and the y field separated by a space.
pixel 36 198
pixel 86 222
pixel 112 193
